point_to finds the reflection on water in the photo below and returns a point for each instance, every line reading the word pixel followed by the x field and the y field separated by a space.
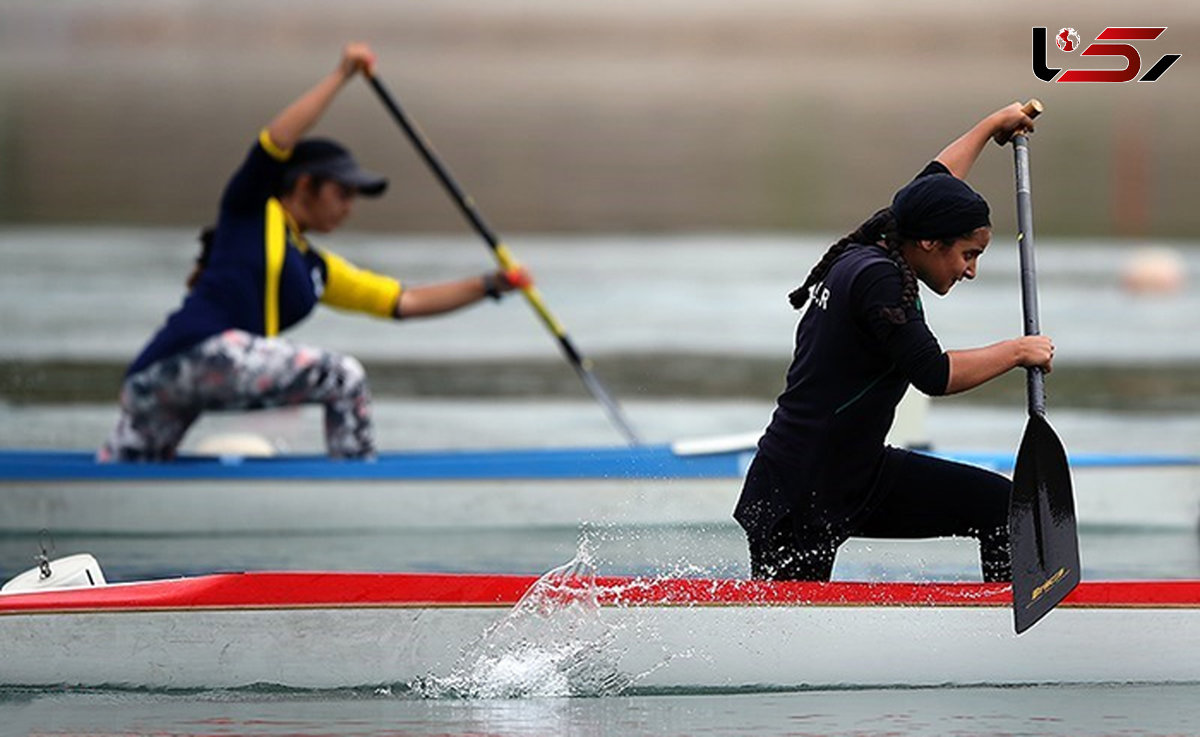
pixel 651 319
pixel 716 294
pixel 1045 711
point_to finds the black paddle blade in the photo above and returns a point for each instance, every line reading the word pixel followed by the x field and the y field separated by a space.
pixel 1041 525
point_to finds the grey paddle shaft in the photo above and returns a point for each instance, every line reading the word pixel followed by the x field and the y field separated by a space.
pixel 1036 384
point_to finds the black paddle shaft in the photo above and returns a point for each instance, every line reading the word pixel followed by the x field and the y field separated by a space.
pixel 467 207
pixel 1042 530
pixel 1036 381
pixel 465 204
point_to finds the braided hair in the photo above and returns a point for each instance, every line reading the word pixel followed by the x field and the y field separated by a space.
pixel 878 230
pixel 206 243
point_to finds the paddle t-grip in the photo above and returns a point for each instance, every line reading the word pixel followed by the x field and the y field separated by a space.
pixel 1033 108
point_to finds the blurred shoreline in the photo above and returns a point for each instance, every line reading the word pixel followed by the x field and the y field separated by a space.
pixel 590 117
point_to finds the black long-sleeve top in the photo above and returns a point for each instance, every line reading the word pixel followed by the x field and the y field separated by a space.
pixel 850 368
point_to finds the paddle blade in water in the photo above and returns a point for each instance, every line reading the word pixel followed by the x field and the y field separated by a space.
pixel 1041 522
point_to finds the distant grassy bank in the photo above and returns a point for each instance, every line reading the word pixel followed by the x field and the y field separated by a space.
pixel 1157 388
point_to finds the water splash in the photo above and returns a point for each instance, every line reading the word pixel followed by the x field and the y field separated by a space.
pixel 552 643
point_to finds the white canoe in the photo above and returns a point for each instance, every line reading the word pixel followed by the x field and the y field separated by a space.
pixel 687 483
pixel 475 635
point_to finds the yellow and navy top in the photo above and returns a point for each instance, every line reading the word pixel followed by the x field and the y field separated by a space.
pixel 262 276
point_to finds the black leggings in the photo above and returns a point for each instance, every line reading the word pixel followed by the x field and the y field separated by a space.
pixel 929 497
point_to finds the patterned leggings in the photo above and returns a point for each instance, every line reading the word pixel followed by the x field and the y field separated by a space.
pixel 239 371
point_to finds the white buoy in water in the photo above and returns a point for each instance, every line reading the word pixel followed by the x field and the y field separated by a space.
pixel 72 572
pixel 236 445
pixel 1154 270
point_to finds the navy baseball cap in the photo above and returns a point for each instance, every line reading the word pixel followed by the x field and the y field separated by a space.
pixel 326 158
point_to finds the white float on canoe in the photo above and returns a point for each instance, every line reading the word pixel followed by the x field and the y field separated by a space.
pixel 479 635
pixel 686 483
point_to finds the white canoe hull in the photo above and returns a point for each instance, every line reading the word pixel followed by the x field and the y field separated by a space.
pixel 681 634
pixel 696 648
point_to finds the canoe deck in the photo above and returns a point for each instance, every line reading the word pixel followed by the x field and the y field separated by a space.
pixel 266 590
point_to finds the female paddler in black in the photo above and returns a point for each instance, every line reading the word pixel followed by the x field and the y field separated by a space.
pixel 822 472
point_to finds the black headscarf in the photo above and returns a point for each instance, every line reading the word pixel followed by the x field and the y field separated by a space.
pixel 938 206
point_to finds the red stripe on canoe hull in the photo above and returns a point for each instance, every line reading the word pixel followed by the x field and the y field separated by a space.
pixel 300 589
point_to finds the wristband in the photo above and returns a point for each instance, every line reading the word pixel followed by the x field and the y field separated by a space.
pixel 490 287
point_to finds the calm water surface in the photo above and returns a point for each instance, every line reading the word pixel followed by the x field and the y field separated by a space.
pixel 1111 711
pixel 99 293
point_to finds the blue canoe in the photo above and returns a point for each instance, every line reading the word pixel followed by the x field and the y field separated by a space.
pixel 685 483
